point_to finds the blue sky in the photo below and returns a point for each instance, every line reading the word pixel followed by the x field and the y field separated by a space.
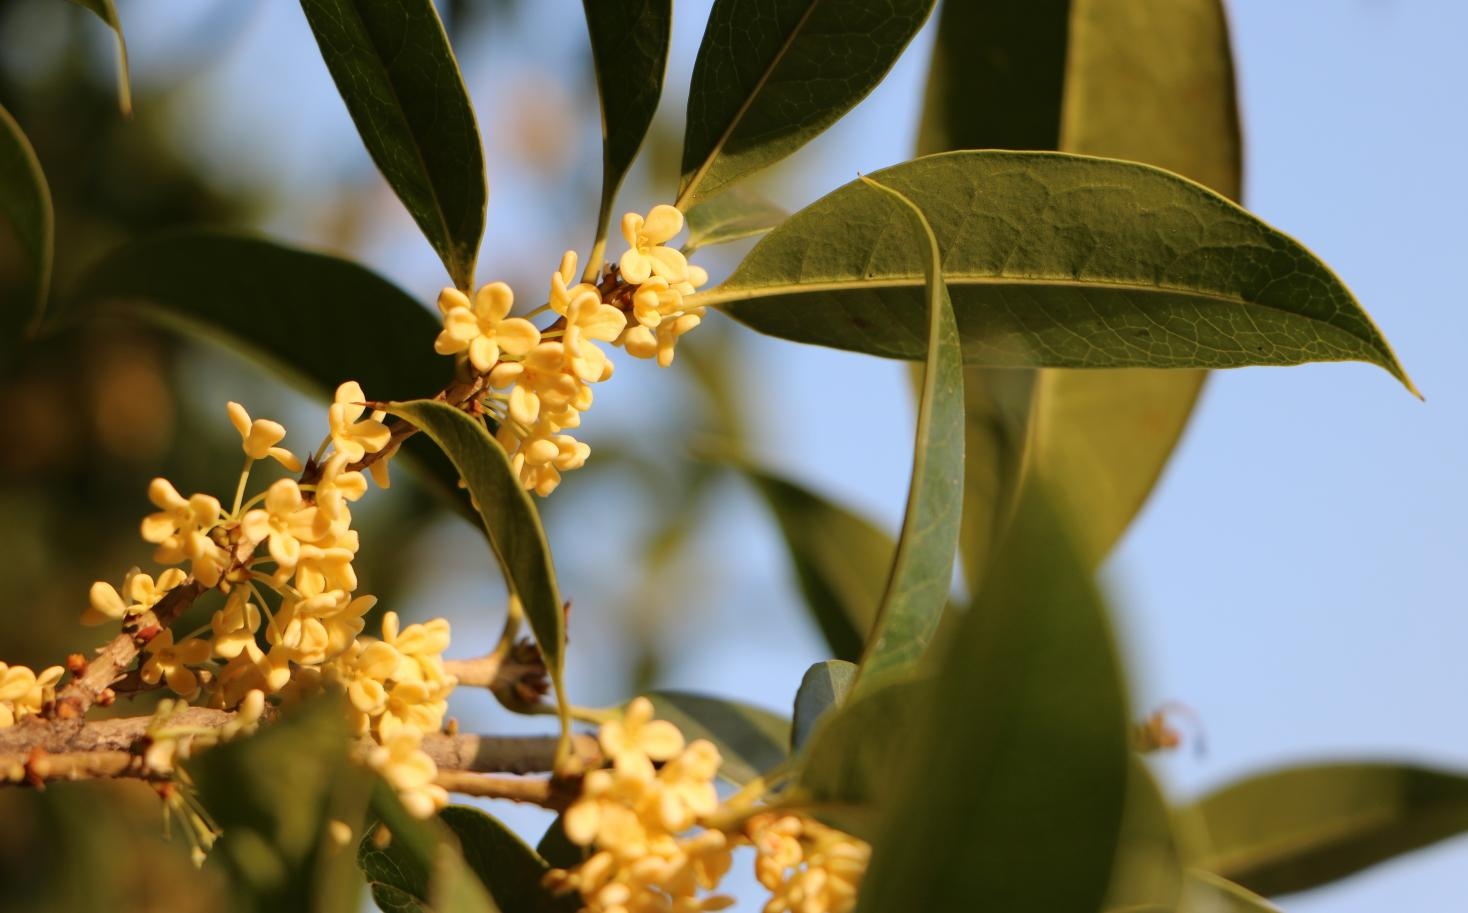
pixel 1298 577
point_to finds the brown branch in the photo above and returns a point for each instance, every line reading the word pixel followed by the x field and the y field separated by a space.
pixel 480 672
pixel 540 791
pixel 107 742
pixel 116 658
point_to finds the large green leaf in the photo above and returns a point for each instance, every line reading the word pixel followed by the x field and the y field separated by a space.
pixel 25 202
pixel 274 796
pixel 922 569
pixel 1052 260
pixel 510 519
pixel 1019 763
pixel 1148 871
pixel 773 74
pixel 823 687
pixel 841 559
pixel 750 740
pixel 107 12
pixel 629 48
pixel 1149 81
pixel 1204 892
pixel 314 319
pixel 396 72
pixel 510 870
pixel 731 216
pixel 420 868
pixel 1293 829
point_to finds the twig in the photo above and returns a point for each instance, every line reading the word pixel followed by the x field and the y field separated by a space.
pixel 113 660
pixel 540 791
pixel 480 672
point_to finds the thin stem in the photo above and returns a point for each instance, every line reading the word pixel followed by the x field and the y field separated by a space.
pixel 239 492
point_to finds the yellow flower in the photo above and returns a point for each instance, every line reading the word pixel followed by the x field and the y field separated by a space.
pixel 235 624
pixel 260 437
pixel 806 865
pixel 540 382
pixel 543 455
pixel 411 772
pixel 283 523
pixel 334 489
pixel 320 570
pixel 642 342
pixel 181 528
pixel 171 661
pixel 483 328
pixel 349 435
pixel 645 237
pixel 637 733
pixel 316 628
pixel 687 786
pixel 23 693
pixel 587 319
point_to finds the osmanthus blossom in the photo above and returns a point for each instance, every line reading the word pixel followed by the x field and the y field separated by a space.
pixel 180 529
pixel 170 662
pixel 259 437
pixel 350 433
pixel 25 693
pixel 647 256
pixel 483 328
pixel 282 524
pixel 138 593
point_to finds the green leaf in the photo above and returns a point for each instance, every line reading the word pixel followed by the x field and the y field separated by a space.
pixel 393 66
pixel 771 75
pixel 315 319
pixel 1148 871
pixel 731 216
pixel 510 519
pixel 1297 828
pixel 1022 760
pixel 1150 81
pixel 823 688
pixel 841 559
pixel 557 849
pixel 420 869
pixel 855 755
pixel 107 12
pixel 629 49
pixel 25 202
pixel 750 739
pixel 1052 260
pixel 510 870
pixel 274 795
pixel 922 569
pixel 1204 892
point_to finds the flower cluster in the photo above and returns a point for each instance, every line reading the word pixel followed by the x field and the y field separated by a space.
pixel 640 819
pixel 23 693
pixel 291 545
pixel 546 374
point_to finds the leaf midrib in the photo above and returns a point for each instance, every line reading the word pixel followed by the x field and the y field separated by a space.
pixel 417 144
pixel 759 86
pixel 1344 828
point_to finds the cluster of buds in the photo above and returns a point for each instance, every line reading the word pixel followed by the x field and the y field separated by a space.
pixel 291 545
pixel 546 374
pixel 23 693
pixel 656 849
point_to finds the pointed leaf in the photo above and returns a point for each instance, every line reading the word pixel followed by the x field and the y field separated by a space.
pixel 731 216
pixel 1150 81
pixel 1297 828
pixel 274 795
pixel 1052 260
pixel 841 559
pixel 107 12
pixel 510 519
pixel 771 75
pixel 393 66
pixel 1148 871
pixel 510 870
pixel 922 570
pixel 316 319
pixel 420 868
pixel 629 49
pixel 313 319
pixel 25 203
pixel 750 739
pixel 824 686
pixel 557 849
pixel 1023 760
